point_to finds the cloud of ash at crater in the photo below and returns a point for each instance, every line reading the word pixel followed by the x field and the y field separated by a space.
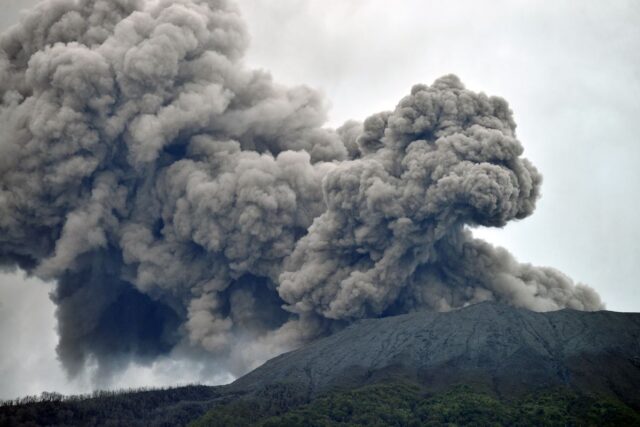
pixel 182 200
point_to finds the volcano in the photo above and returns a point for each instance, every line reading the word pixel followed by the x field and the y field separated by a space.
pixel 485 363
pixel 504 349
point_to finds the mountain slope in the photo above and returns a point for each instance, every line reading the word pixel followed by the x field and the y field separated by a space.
pixel 496 347
pixel 484 364
pixel 406 404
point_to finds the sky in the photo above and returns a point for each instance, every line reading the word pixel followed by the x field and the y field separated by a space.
pixel 569 70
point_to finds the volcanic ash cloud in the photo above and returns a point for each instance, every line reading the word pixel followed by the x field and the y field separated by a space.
pixel 183 201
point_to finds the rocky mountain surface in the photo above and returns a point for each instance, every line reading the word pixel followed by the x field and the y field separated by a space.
pixel 497 347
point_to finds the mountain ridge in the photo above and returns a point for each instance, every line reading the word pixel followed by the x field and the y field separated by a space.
pixel 489 344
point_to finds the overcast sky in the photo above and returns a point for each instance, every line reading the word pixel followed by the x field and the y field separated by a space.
pixel 570 71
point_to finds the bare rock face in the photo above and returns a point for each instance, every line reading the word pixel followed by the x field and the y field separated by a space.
pixel 502 349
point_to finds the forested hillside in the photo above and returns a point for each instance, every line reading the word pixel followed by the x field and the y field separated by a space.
pixel 406 404
pixel 173 406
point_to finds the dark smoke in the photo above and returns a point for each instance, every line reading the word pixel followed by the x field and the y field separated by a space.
pixel 180 199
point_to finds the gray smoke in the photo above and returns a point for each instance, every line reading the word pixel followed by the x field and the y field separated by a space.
pixel 181 200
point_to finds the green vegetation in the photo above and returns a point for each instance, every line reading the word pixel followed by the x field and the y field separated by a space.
pixel 402 404
pixel 382 404
pixel 170 407
pixel 272 400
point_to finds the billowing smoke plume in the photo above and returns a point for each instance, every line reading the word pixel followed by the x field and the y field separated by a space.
pixel 180 199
